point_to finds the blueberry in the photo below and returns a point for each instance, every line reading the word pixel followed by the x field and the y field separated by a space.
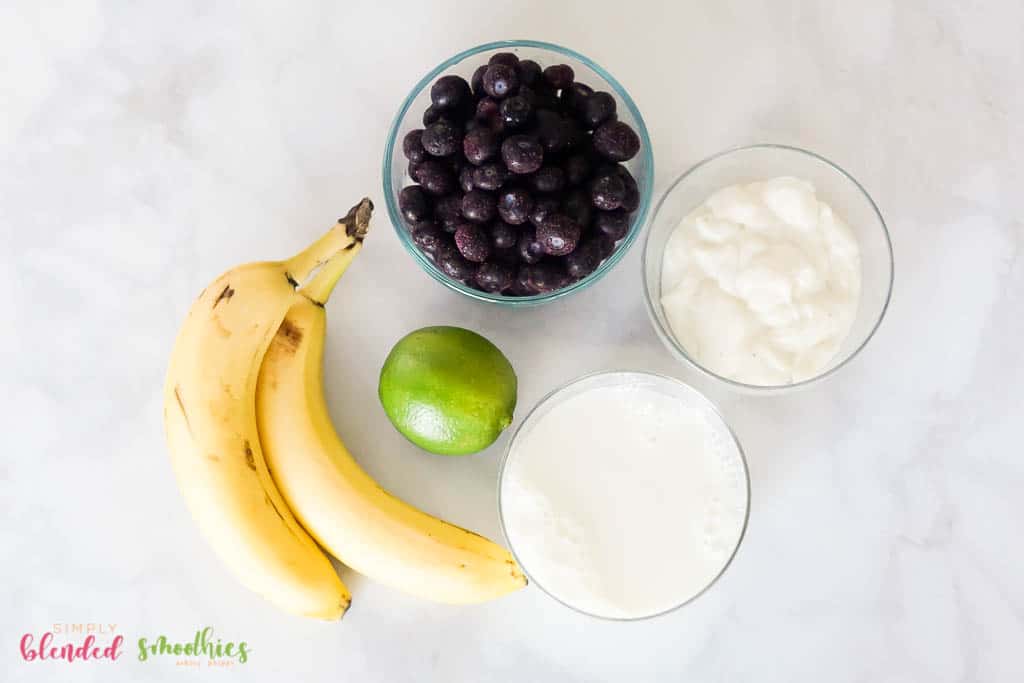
pixel 490 176
pixel 584 260
pixel 558 235
pixel 479 145
pixel 466 179
pixel 605 245
pixel 577 169
pixel 559 76
pixel 555 132
pixel 514 205
pixel 522 154
pixel 547 276
pixel 548 179
pixel 473 242
pixel 616 141
pixel 412 201
pixel 503 235
pixel 597 109
pixel 442 138
pixel 435 177
pixel 431 115
pixel 448 211
pixel 412 146
pixel 576 206
pixel 529 71
pixel 631 200
pixel 539 96
pixel 607 191
pixel 450 92
pixel 495 277
pixel 615 223
pixel 573 97
pixel 479 206
pixel 516 112
pixel 487 108
pixel 500 80
pixel 506 58
pixel 530 250
pixel 521 286
pixel 477 81
pixel 454 264
pixel 542 208
pixel 427 237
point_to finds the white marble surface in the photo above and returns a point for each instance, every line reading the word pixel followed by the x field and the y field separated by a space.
pixel 145 147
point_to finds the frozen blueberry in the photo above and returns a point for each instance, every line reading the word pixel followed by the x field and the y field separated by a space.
pixel 495 276
pixel 431 115
pixel 597 109
pixel 453 264
pixel 631 200
pixel 435 177
pixel 441 138
pixel 500 80
pixel 615 140
pixel 547 276
pixel 427 237
pixel 529 71
pixel 477 81
pixel 506 58
pixel 486 108
pixel 615 223
pixel 539 96
pixel 503 235
pixel 559 76
pixel 521 286
pixel 584 260
pixel 577 169
pixel 473 242
pixel 448 211
pixel 573 97
pixel 412 201
pixel 466 179
pixel 490 176
pixel 558 235
pixel 514 205
pixel 412 146
pixel 479 145
pixel 542 208
pixel 530 250
pixel 516 112
pixel 576 206
pixel 479 206
pixel 450 92
pixel 548 179
pixel 522 154
pixel 607 191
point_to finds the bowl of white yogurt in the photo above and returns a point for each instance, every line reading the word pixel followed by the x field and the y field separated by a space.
pixel 767 267
pixel 624 495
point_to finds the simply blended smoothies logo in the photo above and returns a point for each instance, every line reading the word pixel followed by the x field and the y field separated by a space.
pixel 204 646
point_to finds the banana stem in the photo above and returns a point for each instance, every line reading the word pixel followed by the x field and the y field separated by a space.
pixel 352 227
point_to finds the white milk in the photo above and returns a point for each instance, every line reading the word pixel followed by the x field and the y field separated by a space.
pixel 626 499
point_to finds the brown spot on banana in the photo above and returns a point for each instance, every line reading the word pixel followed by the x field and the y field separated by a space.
pixel 225 295
pixel 250 458
pixel 181 407
pixel 290 336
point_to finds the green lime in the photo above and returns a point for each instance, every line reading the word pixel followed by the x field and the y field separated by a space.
pixel 448 390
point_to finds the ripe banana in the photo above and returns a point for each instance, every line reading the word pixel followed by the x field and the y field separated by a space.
pixel 344 509
pixel 210 421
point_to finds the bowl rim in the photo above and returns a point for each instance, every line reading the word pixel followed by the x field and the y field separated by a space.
pixel 637 223
pixel 703 400
pixel 677 350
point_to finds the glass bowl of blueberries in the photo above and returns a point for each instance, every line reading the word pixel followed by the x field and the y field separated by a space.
pixel 518 172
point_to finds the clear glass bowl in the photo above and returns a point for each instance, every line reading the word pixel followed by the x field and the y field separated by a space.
pixel 668 386
pixel 410 115
pixel 835 186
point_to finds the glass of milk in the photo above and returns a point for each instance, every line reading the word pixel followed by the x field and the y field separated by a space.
pixel 624 495
pixel 752 294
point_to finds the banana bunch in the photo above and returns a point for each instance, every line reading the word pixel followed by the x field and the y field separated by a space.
pixel 261 467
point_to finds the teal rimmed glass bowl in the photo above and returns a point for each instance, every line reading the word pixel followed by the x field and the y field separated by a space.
pixel 409 117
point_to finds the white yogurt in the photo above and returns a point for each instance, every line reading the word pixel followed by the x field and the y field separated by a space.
pixel 624 500
pixel 761 282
